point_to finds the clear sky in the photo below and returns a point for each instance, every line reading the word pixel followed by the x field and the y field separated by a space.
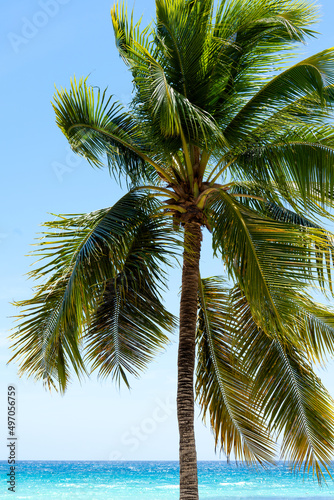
pixel 46 42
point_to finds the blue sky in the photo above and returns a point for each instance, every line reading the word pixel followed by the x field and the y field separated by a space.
pixel 45 43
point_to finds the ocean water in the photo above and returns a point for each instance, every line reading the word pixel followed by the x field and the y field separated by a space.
pixel 156 481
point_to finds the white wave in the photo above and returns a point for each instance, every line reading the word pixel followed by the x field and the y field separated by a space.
pixel 240 483
pixel 168 486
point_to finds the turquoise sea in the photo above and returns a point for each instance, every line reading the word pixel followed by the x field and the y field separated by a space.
pixel 155 481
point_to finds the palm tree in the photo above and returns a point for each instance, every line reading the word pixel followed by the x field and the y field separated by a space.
pixel 217 139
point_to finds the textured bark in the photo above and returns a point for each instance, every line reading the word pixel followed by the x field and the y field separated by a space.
pixel 186 361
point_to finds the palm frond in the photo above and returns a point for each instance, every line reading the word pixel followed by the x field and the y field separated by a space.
pixel 270 198
pixel 222 387
pixel 127 34
pixel 81 254
pixel 127 328
pixel 272 25
pixel 314 325
pixel 283 214
pixel 307 112
pixel 183 31
pixel 306 165
pixel 292 397
pixel 268 258
pixel 96 128
pixel 310 76
pixel 162 100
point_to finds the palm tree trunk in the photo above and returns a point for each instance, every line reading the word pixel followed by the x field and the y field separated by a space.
pixel 186 361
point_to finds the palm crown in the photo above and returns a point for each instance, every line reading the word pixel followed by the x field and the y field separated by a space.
pixel 218 136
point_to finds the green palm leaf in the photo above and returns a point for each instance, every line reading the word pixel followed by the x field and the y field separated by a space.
pixel 96 127
pixel 166 104
pixel 285 215
pixel 222 386
pixel 128 326
pixel 312 75
pixel 313 324
pixel 257 32
pixel 82 254
pixel 305 165
pixel 292 398
pixel 127 34
pixel 268 258
pixel 272 199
